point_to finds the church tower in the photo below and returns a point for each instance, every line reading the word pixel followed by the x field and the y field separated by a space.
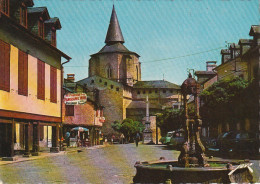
pixel 114 61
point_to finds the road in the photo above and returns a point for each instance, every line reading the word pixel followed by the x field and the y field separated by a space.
pixel 112 164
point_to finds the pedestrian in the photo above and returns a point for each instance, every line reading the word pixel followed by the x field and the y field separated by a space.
pixel 67 138
pixel 122 137
pixel 137 138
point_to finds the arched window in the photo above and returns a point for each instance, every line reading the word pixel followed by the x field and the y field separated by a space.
pixel 109 72
pixel 137 74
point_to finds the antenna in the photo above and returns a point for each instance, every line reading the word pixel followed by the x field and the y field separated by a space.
pixel 163 76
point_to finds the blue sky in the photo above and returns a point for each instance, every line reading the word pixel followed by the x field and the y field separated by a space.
pixel 155 29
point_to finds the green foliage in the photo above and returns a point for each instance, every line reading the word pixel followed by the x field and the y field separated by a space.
pixel 170 119
pixel 128 127
pixel 228 101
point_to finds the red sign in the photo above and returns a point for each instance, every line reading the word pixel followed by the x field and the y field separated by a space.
pixel 75 98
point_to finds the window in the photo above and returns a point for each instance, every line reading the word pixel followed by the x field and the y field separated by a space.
pixel 40 28
pixel 117 89
pixel 53 37
pixel 100 80
pixel 138 92
pixel 4 66
pixel 23 15
pixel 105 83
pixel 92 81
pixel 171 91
pixel 53 85
pixel 150 91
pixel 69 110
pixel 109 72
pixel 112 86
pixel 143 92
pixel 155 91
pixel 40 80
pixel 4 6
pixel 136 72
pixel 22 73
pixel 164 91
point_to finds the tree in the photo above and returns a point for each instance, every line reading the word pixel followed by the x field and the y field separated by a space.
pixel 128 127
pixel 170 119
pixel 227 101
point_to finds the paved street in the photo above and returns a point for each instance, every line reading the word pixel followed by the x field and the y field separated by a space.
pixel 112 164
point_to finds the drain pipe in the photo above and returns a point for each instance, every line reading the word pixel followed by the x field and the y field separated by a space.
pixel 61 98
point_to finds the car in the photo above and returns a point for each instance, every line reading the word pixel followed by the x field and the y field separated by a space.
pixel 178 139
pixel 167 138
pixel 237 141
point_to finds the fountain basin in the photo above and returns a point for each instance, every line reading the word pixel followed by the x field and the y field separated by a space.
pixel 166 171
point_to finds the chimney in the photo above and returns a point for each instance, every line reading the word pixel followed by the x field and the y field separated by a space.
pixel 71 77
pixel 226 55
pixel 255 32
pixel 210 65
pixel 245 45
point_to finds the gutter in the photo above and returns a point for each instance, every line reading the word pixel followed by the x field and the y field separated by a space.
pixel 61 98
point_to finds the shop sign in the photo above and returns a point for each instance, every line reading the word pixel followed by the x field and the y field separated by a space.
pixel 75 98
pixel 102 119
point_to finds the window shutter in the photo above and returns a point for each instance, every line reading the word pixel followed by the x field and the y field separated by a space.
pixel 53 85
pixel 25 74
pixel 2 66
pixel 7 67
pixel 41 80
pixel 20 72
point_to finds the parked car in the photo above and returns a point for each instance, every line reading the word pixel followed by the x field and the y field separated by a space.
pixel 167 138
pixel 177 140
pixel 237 141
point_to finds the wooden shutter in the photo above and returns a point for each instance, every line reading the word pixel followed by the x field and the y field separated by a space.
pixel 41 80
pixel 22 73
pixel 53 85
pixel 4 66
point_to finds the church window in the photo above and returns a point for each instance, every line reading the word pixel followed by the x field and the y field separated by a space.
pixel 117 89
pixel 138 92
pixel 105 83
pixel 112 86
pixel 109 72
pixel 136 73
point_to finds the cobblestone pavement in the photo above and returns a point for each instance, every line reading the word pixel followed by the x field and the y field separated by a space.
pixel 112 164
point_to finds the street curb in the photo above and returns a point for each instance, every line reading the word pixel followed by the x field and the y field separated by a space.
pixel 50 155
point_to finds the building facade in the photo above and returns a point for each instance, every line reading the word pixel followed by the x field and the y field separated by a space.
pixel 115 72
pixel 88 114
pixel 30 83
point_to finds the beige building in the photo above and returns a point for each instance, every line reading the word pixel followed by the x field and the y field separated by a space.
pixel 115 72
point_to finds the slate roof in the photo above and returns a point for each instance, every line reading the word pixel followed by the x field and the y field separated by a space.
pixel 205 73
pixel 156 84
pixel 36 9
pixel 245 41
pixel 54 20
pixel 225 51
pixel 118 47
pixel 114 33
pixel 140 105
pixel 254 29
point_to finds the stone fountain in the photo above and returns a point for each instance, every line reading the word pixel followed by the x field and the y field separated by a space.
pixel 192 165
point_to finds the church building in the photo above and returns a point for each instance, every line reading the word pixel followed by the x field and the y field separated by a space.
pixel 115 76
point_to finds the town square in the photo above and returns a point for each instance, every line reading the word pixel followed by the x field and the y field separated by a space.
pixel 129 91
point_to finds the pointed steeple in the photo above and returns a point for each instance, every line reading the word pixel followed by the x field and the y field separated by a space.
pixel 114 33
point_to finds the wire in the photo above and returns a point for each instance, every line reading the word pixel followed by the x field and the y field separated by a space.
pixel 170 58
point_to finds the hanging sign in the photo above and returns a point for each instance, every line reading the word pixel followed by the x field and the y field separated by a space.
pixel 75 98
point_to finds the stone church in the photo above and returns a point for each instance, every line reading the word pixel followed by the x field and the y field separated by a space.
pixel 115 76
